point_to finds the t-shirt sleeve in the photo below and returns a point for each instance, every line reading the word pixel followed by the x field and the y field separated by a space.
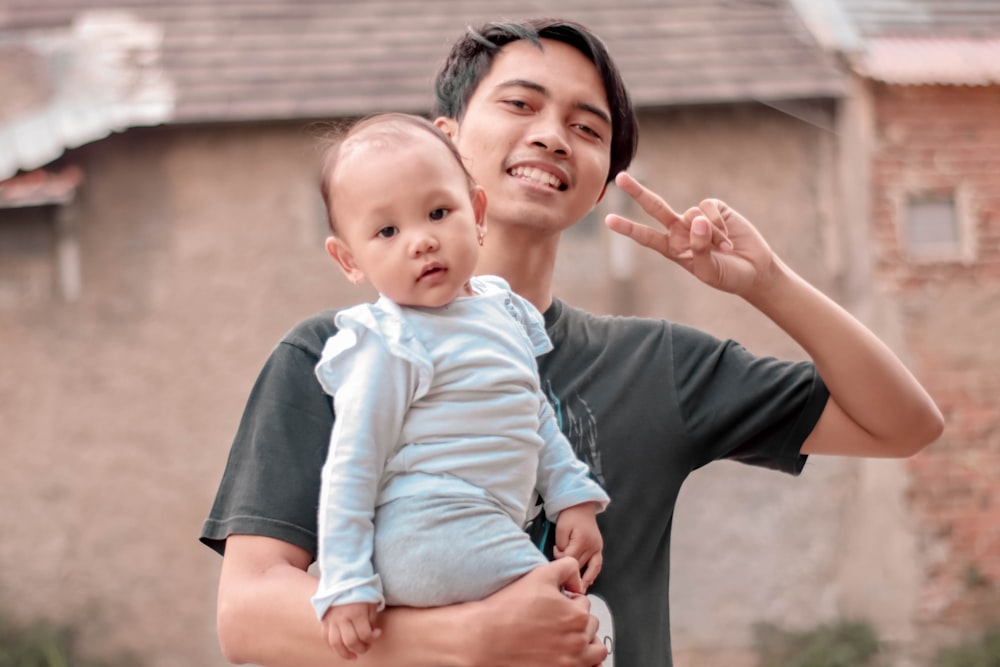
pixel 739 406
pixel 270 486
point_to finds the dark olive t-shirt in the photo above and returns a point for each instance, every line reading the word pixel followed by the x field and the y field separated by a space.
pixel 643 402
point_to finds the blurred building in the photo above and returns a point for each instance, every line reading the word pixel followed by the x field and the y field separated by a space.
pixel 925 145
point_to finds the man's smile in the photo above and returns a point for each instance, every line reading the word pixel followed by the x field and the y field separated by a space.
pixel 539 176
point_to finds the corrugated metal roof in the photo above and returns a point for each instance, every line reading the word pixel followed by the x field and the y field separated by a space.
pixel 265 59
pixel 68 87
pixel 925 61
pixel 925 18
pixel 231 60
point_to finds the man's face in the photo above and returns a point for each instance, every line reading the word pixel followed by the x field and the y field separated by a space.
pixel 537 136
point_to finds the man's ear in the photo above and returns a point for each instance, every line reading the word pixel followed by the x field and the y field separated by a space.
pixel 341 254
pixel 447 125
pixel 479 208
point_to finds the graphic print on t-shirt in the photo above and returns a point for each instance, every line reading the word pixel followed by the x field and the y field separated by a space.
pixel 577 421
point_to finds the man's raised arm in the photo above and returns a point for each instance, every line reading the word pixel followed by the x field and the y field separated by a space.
pixel 876 407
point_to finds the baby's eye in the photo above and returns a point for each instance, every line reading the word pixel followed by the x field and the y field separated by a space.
pixel 387 232
pixel 438 214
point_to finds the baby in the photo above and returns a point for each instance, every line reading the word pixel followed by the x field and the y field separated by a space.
pixel 443 439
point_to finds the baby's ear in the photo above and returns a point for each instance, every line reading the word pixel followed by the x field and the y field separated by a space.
pixel 479 207
pixel 341 254
pixel 447 125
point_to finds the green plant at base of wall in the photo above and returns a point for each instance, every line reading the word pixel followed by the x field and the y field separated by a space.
pixel 45 644
pixel 983 652
pixel 843 644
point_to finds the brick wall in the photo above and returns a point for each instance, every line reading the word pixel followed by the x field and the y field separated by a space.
pixel 937 140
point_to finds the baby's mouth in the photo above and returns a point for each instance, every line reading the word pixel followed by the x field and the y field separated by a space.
pixel 539 176
pixel 430 269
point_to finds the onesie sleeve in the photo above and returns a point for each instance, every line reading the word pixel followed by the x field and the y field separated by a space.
pixel 563 480
pixel 372 388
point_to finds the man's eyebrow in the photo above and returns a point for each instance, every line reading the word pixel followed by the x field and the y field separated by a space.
pixel 539 88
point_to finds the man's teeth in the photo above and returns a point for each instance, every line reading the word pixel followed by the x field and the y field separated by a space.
pixel 538 176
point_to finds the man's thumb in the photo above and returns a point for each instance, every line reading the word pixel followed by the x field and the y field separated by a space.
pixel 567 574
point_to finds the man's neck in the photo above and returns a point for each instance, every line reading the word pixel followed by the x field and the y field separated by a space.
pixel 524 260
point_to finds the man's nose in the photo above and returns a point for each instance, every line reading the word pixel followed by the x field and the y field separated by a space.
pixel 550 133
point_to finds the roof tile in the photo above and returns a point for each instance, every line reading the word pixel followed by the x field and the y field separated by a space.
pixel 273 59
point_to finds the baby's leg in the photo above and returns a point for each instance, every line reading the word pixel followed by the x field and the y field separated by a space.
pixel 435 551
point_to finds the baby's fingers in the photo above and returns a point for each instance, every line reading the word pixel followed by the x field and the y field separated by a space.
pixel 593 569
pixel 338 643
pixel 353 634
pixel 366 632
pixel 372 617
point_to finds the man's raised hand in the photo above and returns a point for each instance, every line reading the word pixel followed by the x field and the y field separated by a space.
pixel 711 241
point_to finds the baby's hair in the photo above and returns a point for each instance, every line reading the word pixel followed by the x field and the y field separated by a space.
pixel 397 126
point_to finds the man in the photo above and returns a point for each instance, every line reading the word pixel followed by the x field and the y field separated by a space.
pixel 538 112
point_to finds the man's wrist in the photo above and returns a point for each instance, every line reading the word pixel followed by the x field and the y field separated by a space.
pixel 439 636
pixel 466 631
pixel 771 290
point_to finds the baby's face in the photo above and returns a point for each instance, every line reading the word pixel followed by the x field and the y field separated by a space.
pixel 407 220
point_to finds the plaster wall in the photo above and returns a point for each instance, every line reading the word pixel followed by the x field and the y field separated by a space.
pixel 201 246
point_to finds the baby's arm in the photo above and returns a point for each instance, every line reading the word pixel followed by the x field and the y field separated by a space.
pixel 562 479
pixel 371 390
pixel 577 536
pixel 571 496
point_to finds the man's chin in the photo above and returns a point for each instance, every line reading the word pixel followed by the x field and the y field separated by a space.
pixel 528 213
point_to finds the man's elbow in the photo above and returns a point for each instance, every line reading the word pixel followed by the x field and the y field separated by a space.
pixel 922 433
pixel 231 630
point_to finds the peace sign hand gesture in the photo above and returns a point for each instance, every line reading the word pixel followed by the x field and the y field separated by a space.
pixel 711 241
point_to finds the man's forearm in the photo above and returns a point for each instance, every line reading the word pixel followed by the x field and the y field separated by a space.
pixel 867 381
pixel 265 618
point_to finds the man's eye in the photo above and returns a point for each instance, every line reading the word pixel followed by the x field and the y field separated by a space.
pixel 438 214
pixel 387 232
pixel 589 131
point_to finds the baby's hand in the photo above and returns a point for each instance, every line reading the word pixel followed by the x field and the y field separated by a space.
pixel 577 536
pixel 350 628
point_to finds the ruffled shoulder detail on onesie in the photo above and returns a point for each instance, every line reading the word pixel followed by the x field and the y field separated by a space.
pixel 383 324
pixel 520 309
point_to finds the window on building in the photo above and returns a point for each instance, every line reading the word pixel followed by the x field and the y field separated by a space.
pixel 39 250
pixel 27 256
pixel 935 227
